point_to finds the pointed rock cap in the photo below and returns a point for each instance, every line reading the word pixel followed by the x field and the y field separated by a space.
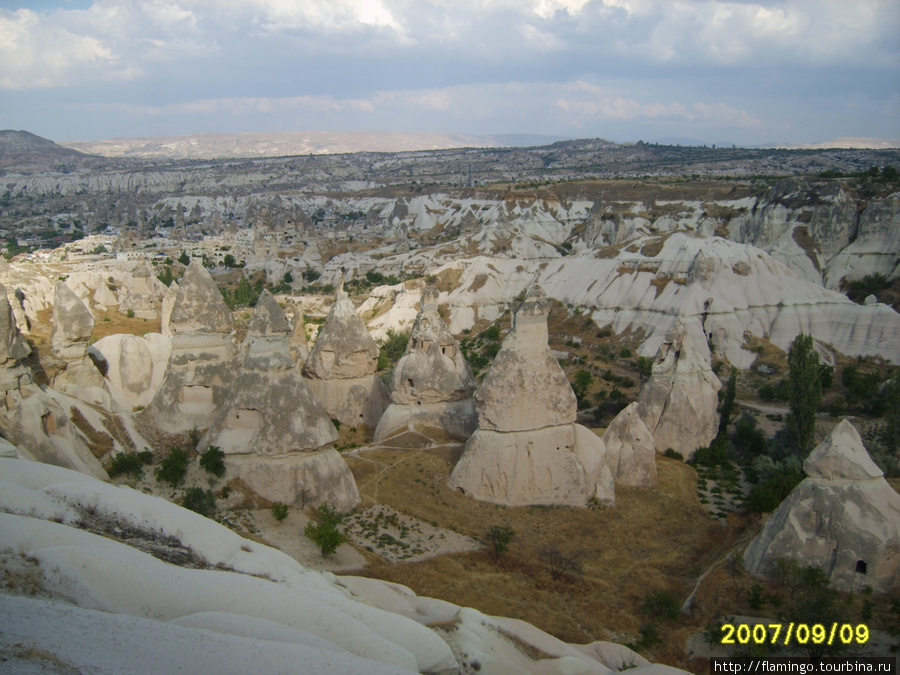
pixel 199 307
pixel 430 298
pixel 73 323
pixel 343 349
pixel 268 317
pixel 841 456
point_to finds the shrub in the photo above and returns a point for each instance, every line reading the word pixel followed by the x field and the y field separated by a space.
pixel 174 467
pixel 325 533
pixel 279 511
pixel 200 501
pixel 392 346
pixel 498 538
pixel 131 463
pixel 625 353
pixel 213 461
pixel 129 313
pixel 674 454
pixel 661 604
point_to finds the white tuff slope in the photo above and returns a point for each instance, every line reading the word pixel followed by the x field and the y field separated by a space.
pixel 251 609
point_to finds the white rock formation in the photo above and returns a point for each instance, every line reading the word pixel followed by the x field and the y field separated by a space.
pixel 631 450
pixel 340 369
pixel 73 324
pixel 199 373
pixel 136 365
pixel 275 434
pixel 432 383
pixel 678 403
pixel 527 448
pixel 13 347
pixel 843 518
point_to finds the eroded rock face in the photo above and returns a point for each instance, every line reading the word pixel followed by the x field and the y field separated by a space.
pixel 198 306
pixel 200 370
pixel 73 324
pixel 13 346
pixel 136 365
pixel 526 388
pixel 527 448
pixel 844 518
pixel 340 369
pixel 432 382
pixel 678 403
pixel 344 349
pixel 274 432
pixel 632 454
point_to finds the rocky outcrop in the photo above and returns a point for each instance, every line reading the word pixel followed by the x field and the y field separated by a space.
pixel 527 448
pixel 13 347
pixel 274 432
pixel 299 341
pixel 200 370
pixel 678 403
pixel 135 365
pixel 432 383
pixel 631 450
pixel 340 369
pixel 844 518
pixel 143 295
pixel 73 324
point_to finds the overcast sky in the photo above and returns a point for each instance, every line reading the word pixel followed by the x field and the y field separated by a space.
pixel 745 72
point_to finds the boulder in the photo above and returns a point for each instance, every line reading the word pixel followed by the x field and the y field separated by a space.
pixel 13 347
pixel 678 404
pixel 527 448
pixel 432 383
pixel 844 518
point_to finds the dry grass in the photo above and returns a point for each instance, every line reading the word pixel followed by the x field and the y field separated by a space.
pixel 652 540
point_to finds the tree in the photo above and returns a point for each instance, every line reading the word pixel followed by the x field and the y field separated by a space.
pixel 891 431
pixel 497 539
pixel 804 393
pixel 726 402
pixel 583 380
pixel 184 259
pixel 325 533
pixel 228 260
pixel 561 563
pixel 173 468
pixel 213 461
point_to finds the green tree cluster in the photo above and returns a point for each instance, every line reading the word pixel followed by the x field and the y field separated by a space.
pixel 324 531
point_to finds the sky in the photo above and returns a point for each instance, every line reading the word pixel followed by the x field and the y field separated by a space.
pixel 743 72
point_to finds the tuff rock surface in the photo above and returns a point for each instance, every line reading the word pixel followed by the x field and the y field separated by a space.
pixel 844 518
pixel 631 450
pixel 200 370
pixel 340 369
pixel 527 448
pixel 432 382
pixel 274 432
pixel 678 402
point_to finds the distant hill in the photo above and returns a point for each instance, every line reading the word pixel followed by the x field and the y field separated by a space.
pixel 24 151
pixel 847 143
pixel 216 145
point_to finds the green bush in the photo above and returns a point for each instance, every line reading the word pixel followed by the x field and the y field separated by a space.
pixel 279 511
pixel 498 538
pixel 213 461
pixel 131 463
pixel 325 533
pixel 392 346
pixel 674 454
pixel 661 604
pixel 174 467
pixel 200 501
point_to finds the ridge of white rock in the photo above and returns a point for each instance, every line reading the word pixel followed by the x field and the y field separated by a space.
pixel 247 607
pixel 527 448
pixel 844 518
